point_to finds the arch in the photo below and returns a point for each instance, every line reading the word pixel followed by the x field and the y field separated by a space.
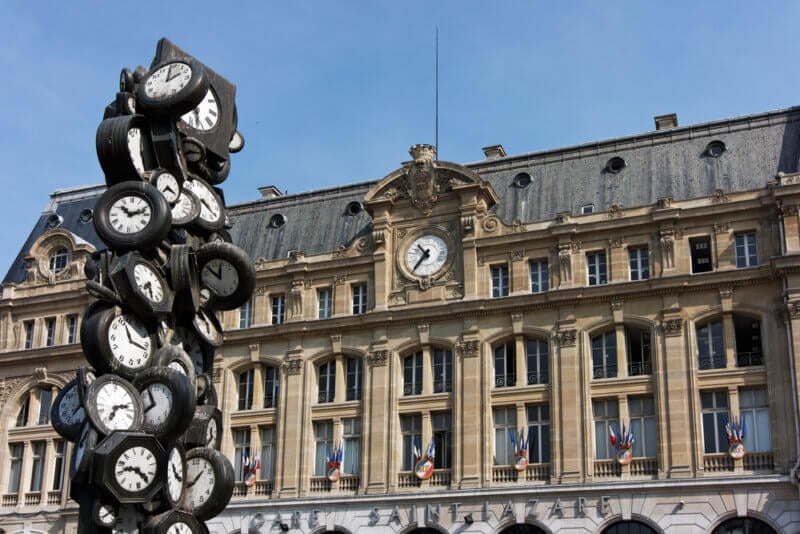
pixel 753 523
pixel 415 529
pixel 522 528
pixel 350 352
pixel 599 327
pixel 38 257
pixel 631 526
pixel 12 403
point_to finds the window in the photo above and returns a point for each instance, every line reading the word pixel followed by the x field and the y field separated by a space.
pixel 505 365
pixel 50 328
pixel 606 417
pixel 505 421
pixel 59 463
pixel 272 381
pixel 539 433
pixel 323 440
pixel 37 464
pixel 246 314
pixel 28 327
pixel 754 413
pixel 587 208
pixel 22 414
pixel 710 346
pixel 746 251
pixel 744 525
pixel 604 355
pixel 637 343
pixel 443 435
pixel 442 371
pixel 246 382
pixel 643 425
pixel 15 466
pixel 359 299
pixel 45 399
pixel 267 457
pixel 714 405
pixel 241 452
pixel 499 280
pixel 327 381
pixel 72 329
pixel 325 300
pixel 59 260
pixel 700 247
pixel 537 361
pixel 747 333
pixel 278 309
pixel 412 374
pixel 411 430
pixel 351 445
pixel 639 263
pixel 354 378
pixel 596 263
pixel 539 281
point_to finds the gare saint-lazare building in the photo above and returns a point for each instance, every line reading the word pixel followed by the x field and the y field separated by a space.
pixel 628 310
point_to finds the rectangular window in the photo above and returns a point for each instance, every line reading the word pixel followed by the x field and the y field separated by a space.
pixel 606 417
pixel 754 413
pixel 499 280
pixel 246 314
pixel 411 430
pixel 355 370
pixel 37 464
pixel 267 456
pixel 537 361
pixel 643 425
pixel 278 309
pixel 442 371
pixel 505 365
pixel 50 328
pixel 505 421
pixel 323 445
pixel 539 433
pixel 539 280
pixel 59 463
pixel 72 329
pixel 241 452
pixel 443 435
pixel 272 382
pixel 327 381
pixel 637 342
pixel 351 443
pixel 746 251
pixel 15 466
pixel 246 380
pixel 714 405
pixel 325 300
pixel 359 299
pixel 639 262
pixel 700 248
pixel 747 333
pixel 604 355
pixel 412 374
pixel 710 346
pixel 587 208
pixel 28 327
pixel 596 265
pixel 45 399
pixel 22 414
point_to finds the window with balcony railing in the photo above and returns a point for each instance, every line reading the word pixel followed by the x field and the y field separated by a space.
pixel 537 360
pixel 638 347
pixel 748 341
pixel 326 385
pixel 505 365
pixel 604 355
pixel 710 346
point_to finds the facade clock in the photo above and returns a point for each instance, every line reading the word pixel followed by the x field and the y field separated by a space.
pixel 426 254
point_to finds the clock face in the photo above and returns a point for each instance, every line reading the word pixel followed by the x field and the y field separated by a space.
pixel 207 327
pixel 106 515
pixel 115 406
pixel 220 276
pixel 135 469
pixel 129 341
pixel 168 80
pixel 157 401
pixel 179 528
pixel 130 214
pixel 200 481
pixel 70 410
pixel 185 208
pixel 212 432
pixel 168 185
pixel 210 209
pixel 175 475
pixel 426 255
pixel 149 282
pixel 135 148
pixel 205 115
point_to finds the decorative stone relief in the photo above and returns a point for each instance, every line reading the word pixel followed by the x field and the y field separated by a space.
pixel 468 224
pixel 616 242
pixel 454 291
pixel 563 217
pixel 672 327
pixel 719 197
pixel 725 293
pixel 565 262
pixel 398 298
pixel 615 211
pixel 296 297
pixel 379 237
pixel 340 251
pixel 517 226
pixel 423 330
pixel 340 279
pixel 40 374
pixel 292 366
pixel 260 291
pixel 664 202
pixel 8 387
pixel 468 348
pixel 297 255
pixel 788 211
pixel 491 223
pixel 668 249
pixel 566 338
pixel 721 228
pixel 422 185
pixel 616 305
pixel 517 255
pixel 794 309
pixel 401 234
pixel 425 283
pixel 377 358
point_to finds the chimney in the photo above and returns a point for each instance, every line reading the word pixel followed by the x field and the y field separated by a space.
pixel 494 152
pixel 664 122
pixel 269 191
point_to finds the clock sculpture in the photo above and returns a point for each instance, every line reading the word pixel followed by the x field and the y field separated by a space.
pixel 144 421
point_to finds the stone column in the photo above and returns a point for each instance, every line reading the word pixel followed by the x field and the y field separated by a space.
pixel 427 370
pixel 619 329
pixel 520 273
pixel 568 440
pixel 469 397
pixel 289 443
pixel 728 329
pixel 342 300
pixel 377 421
pixel 677 393
pixel 791 228
pixel 340 393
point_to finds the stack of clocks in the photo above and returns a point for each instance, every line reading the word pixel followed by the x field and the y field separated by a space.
pixel 144 421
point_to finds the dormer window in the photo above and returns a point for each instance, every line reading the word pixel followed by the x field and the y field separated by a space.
pixel 59 260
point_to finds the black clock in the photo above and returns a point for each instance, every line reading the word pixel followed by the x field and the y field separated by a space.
pixel 173 88
pixel 82 454
pixel 205 429
pixel 212 208
pixel 168 399
pixel 126 103
pixel 206 392
pixel 209 483
pixel 132 215
pixel 104 513
pixel 226 270
pixel 176 358
pixel 174 522
pixel 126 80
pixel 186 208
pixel 168 184
pixel 207 326
pixel 67 414
pixel 112 403
pixel 129 466
pixel 183 274
pixel 124 148
pixel 141 285
pixel 200 352
pixel 118 342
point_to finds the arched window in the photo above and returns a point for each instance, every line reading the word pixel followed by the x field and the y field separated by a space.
pixel 246 385
pixel 34 408
pixel 267 375
pixel 604 355
pixel 353 374
pixel 710 345
pixel 505 365
pixel 59 260
pixel 442 371
pixel 522 529
pixel 629 527
pixel 744 525
pixel 272 382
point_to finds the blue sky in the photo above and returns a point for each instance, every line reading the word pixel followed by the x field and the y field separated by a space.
pixel 334 92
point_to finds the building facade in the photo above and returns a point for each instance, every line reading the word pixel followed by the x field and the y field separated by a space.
pixel 651 281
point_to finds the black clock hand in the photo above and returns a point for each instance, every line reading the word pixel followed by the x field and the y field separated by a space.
pixel 420 260
pixel 206 204
pixel 175 472
pixel 149 287
pixel 168 188
pixel 193 482
pixel 218 273
pixel 130 338
pixel 135 469
pixel 425 251
pixel 152 402
pixel 115 408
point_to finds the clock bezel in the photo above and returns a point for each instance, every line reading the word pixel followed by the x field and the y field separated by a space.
pixel 408 241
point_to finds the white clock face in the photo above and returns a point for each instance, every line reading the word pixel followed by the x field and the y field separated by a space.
pixel 106 514
pixel 183 208
pixel 168 80
pixel 135 469
pixel 220 276
pixel 426 255
pixel 129 341
pixel 169 187
pixel 209 206
pixel 205 115
pixel 130 214
pixel 211 432
pixel 200 481
pixel 179 528
pixel 206 328
pixel 149 283
pixel 115 406
pixel 70 410
pixel 135 149
pixel 157 403
pixel 175 475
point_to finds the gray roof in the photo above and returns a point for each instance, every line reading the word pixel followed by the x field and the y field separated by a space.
pixel 672 162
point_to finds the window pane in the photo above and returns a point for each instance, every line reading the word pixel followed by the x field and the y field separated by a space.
pixel 37 464
pixel 15 466
pixel 58 467
pixel 45 399
pixel 267 434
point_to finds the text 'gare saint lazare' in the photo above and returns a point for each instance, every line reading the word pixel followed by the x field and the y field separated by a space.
pixel 434 513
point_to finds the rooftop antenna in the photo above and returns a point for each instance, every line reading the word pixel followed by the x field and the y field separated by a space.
pixel 437 93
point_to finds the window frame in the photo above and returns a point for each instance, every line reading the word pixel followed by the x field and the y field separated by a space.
pixel 29 328
pixel 359 298
pixel 354 379
pixel 326 389
pixel 278 315
pixel 242 443
pixel 699 258
pixel 538 422
pixel 410 435
pixel 504 420
pixel 351 445
pixel 596 268
pixel 639 263
pixel 72 329
pixel 605 363
pixel 324 305
pixel 442 431
pixel 50 331
pixel 58 260
pixel 246 314
pixel 412 374
pixel 272 385
pixel 715 413
pixel 442 363
pixel 715 344
pixel 538 271
pixel 602 423
pixel 505 353
pixel 541 358
pixel 267 437
pixel 245 401
pixel 644 424
pixel 746 249
pixel 499 275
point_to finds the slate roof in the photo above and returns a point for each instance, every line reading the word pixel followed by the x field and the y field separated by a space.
pixel 672 162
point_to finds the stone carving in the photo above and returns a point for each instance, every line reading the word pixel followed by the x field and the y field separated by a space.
pixel 379 237
pixel 468 348
pixel 40 374
pixel 421 184
pixel 719 196
pixel 616 305
pixel 9 387
pixel 340 251
pixel 425 283
pixel 615 211
pixel 794 309
pixel 726 293
pixel 340 279
pixel 398 298
pixel 668 249
pixel 292 366
pixel 455 291
pixel 563 217
pixel 664 202
pixel 377 358
pixel 565 262
pixel 566 338
pixel 517 226
pixel 720 228
pixel 297 255
pixel 788 211
pixel 260 291
pixel 296 297
pixel 517 255
pixel 672 327
pixel 616 242
pixel 491 223
pixel 468 224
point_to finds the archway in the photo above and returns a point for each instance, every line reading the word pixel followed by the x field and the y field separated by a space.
pixel 522 529
pixel 629 527
pixel 424 530
pixel 744 525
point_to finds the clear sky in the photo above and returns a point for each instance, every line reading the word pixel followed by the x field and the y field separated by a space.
pixel 334 92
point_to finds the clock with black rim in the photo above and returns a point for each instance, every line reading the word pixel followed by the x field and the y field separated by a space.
pixel 124 148
pixel 118 342
pixel 226 270
pixel 167 183
pixel 176 475
pixel 168 399
pixel 174 522
pixel 207 326
pixel 209 483
pixel 174 357
pixel 82 454
pixel 67 414
pixel 132 215
pixel 212 208
pixel 206 391
pixel 141 285
pixel 173 88
pixel 184 278
pixel 200 352
pixel 129 466
pixel 185 209
pixel 205 429
pixel 112 403
pixel 104 513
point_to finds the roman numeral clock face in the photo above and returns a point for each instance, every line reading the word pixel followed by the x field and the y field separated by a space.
pixel 135 469
pixel 129 214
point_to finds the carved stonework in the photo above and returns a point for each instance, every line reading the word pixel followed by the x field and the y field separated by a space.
pixel 468 224
pixel 296 297
pixel 788 211
pixel 565 262
pixel 517 255
pixel 8 387
pixel 340 279
pixel 615 211
pixel 616 305
pixel 401 234
pixel 721 228
pixel 379 237
pixel 490 224
pixel 566 338
pixel 563 217
pixel 672 327
pixel 296 255
pixel 481 260
pixel 454 292
pixel 668 249
pixel 468 348
pixel 260 291
pixel 292 366
pixel 726 293
pixel 517 226
pixel 422 185
pixel 793 308
pixel 340 251
pixel 363 245
pixel 719 197
pixel 616 242
pixel 425 283
pixel 40 374
pixel 377 358
pixel 664 202
pixel 398 298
